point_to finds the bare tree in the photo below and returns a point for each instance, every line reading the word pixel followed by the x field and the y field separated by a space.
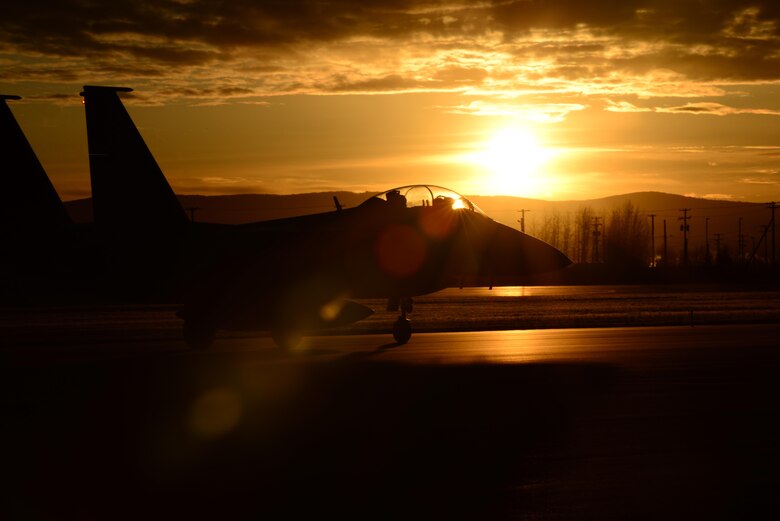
pixel 626 238
pixel 551 229
pixel 566 239
pixel 583 233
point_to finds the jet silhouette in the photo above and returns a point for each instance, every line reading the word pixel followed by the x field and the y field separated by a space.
pixel 298 274
pixel 288 276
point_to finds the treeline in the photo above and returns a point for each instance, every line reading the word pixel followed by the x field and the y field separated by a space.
pixel 621 237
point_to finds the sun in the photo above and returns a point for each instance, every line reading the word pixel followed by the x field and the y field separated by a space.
pixel 513 161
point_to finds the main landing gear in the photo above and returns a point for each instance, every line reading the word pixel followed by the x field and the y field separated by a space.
pixel 402 328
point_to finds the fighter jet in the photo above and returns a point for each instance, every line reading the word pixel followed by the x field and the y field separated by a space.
pixel 301 274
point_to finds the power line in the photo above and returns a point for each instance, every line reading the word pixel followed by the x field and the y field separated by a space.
pixel 741 243
pixel 699 208
pixel 652 239
pixel 717 246
pixel 772 207
pixel 596 234
pixel 666 250
pixel 685 228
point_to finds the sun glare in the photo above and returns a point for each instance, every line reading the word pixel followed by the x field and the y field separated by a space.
pixel 513 162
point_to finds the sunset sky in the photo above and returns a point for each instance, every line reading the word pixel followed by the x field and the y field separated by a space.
pixel 557 99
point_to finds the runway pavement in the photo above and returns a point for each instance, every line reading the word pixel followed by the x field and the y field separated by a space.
pixel 639 423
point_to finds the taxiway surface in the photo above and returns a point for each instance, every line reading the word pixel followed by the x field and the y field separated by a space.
pixel 665 422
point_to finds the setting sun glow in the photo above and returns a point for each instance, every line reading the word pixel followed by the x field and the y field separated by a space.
pixel 513 161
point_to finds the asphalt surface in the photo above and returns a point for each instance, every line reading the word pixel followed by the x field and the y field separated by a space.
pixel 619 423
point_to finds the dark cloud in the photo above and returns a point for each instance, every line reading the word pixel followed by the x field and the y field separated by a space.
pixel 680 20
pixel 391 83
pixel 757 61
pixel 519 16
pixel 72 26
pixel 461 74
pixel 273 41
pixel 696 109
pixel 68 27
pixel 715 109
pixel 57 97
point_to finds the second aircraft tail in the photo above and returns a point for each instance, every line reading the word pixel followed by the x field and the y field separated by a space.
pixel 30 205
pixel 128 187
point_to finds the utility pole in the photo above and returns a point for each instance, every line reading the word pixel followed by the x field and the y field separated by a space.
pixel 772 207
pixel 765 239
pixel 707 240
pixel 766 243
pixel 753 249
pixel 652 240
pixel 685 228
pixel 596 234
pixel 666 251
pixel 192 211
pixel 717 245
pixel 741 243
pixel 522 219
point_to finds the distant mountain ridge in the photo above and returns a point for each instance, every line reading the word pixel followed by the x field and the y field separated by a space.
pixel 723 215
pixel 241 208
pixel 663 205
pixel 715 220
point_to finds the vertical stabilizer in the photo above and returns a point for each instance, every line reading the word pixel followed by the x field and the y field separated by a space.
pixel 30 204
pixel 128 187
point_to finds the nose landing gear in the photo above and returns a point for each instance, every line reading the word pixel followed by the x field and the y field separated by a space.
pixel 402 328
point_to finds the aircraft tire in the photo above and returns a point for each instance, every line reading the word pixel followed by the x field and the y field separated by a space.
pixel 198 336
pixel 402 330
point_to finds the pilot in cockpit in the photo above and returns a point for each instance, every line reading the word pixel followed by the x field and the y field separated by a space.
pixel 396 200
pixel 441 201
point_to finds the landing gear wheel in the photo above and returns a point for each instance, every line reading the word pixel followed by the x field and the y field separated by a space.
pixel 197 335
pixel 402 330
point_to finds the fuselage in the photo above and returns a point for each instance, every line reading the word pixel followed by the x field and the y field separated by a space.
pixel 375 250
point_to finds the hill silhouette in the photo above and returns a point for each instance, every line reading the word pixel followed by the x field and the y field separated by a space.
pixel 723 215
pixel 243 208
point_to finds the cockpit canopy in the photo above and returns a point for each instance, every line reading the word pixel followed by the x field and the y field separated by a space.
pixel 427 195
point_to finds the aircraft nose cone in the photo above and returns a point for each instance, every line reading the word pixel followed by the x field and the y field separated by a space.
pixel 514 254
